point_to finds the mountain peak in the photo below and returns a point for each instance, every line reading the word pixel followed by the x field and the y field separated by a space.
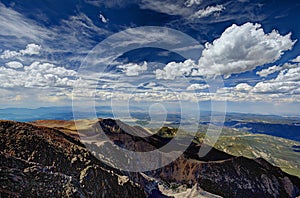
pixel 43 161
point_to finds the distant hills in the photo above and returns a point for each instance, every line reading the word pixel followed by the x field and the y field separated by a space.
pixel 289 131
pixel 278 151
pixel 278 126
pixel 274 125
pixel 26 114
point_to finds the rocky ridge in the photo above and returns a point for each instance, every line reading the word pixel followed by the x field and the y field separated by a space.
pixel 41 161
pixel 44 162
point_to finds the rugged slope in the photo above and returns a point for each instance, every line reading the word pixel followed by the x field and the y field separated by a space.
pixel 231 177
pixel 44 162
pixel 217 172
pixel 278 151
pixel 35 156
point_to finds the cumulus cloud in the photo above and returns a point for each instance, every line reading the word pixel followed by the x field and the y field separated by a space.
pixel 133 69
pixel 190 3
pixel 287 81
pixel 37 75
pixel 274 87
pixel 243 48
pixel 243 87
pixel 193 87
pixel 208 11
pixel 292 74
pixel 296 60
pixel 268 71
pixel 284 88
pixel 239 49
pixel 173 70
pixel 14 64
pixel 31 49
pixel 9 54
pixel 243 92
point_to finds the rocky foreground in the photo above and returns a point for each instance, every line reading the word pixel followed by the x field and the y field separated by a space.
pixel 39 161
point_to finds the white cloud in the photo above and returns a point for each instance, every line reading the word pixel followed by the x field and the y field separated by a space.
pixel 83 26
pixel 37 75
pixel 190 3
pixel 287 81
pixel 148 85
pixel 149 36
pixel 9 54
pixel 296 60
pixel 268 71
pixel 289 65
pixel 241 92
pixel 243 87
pixel 103 19
pixel 208 11
pixel 284 88
pixel 197 87
pixel 243 48
pixel 14 64
pixel 15 24
pixel 275 87
pixel 31 49
pixel 173 70
pixel 133 69
pixel 18 98
pixel 17 30
pixel 110 4
pixel 292 74
pixel 239 49
pixel 167 7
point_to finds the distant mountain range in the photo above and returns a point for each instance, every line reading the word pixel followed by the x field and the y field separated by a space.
pixel 288 131
pixel 279 126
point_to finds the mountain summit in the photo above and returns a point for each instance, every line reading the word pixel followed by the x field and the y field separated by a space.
pixel 52 161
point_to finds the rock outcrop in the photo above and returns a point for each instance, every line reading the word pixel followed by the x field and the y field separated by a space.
pixel 43 162
pixel 217 172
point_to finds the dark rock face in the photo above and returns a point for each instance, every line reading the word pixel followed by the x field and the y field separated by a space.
pixel 220 173
pixel 235 177
pixel 43 162
pixel 246 178
pixel 23 178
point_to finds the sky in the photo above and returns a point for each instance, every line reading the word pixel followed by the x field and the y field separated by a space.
pixel 242 54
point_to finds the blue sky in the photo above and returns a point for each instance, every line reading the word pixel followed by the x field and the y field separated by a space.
pixel 253 46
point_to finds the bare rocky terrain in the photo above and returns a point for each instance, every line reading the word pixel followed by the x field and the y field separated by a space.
pixel 44 162
pixel 48 159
